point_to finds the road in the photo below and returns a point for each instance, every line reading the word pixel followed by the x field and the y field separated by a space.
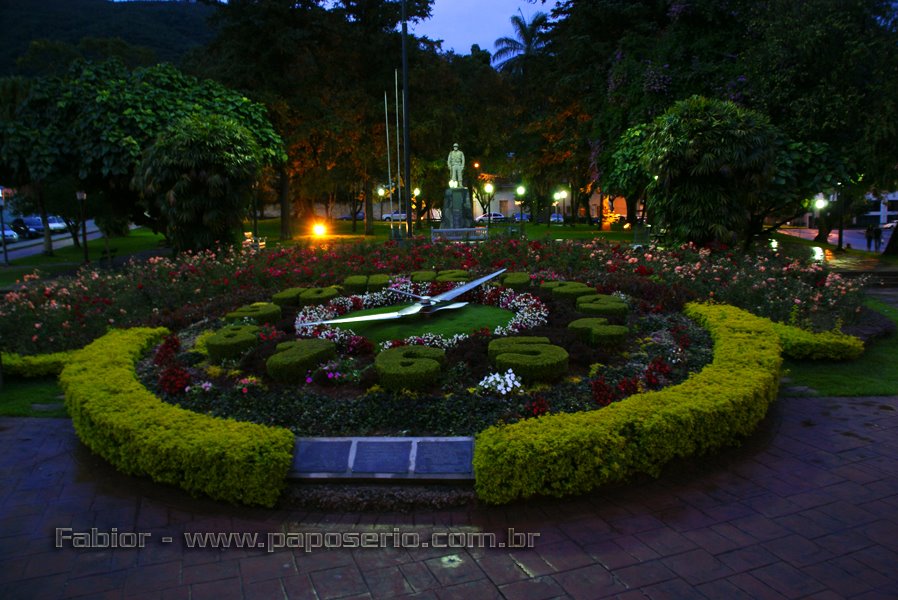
pixel 855 237
pixel 24 248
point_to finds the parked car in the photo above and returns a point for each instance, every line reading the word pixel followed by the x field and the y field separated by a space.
pixel 556 218
pixel 9 235
pixel 57 224
pixel 359 216
pixel 521 217
pixel 494 217
pixel 890 225
pixel 394 216
pixel 28 227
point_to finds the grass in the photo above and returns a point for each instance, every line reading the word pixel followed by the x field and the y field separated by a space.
pixel 873 374
pixel 444 322
pixel 69 258
pixel 19 396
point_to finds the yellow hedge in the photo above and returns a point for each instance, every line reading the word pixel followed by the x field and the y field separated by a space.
pixel 807 345
pixel 563 454
pixel 39 365
pixel 122 421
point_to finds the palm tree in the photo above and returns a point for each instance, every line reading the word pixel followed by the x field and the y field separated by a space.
pixel 512 54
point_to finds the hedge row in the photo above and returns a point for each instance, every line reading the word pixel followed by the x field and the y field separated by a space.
pixel 563 454
pixel 807 345
pixel 38 365
pixel 122 421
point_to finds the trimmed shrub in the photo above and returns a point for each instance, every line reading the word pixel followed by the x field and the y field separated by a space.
pixel 356 284
pixel 453 275
pixel 516 280
pixel 532 357
pixel 378 281
pixel 259 312
pixel 597 331
pixel 232 342
pixel 38 365
pixel 288 298
pixel 423 276
pixel 568 289
pixel 558 455
pixel 318 295
pixel 293 359
pixel 122 421
pixel 409 367
pixel 603 305
pixel 828 345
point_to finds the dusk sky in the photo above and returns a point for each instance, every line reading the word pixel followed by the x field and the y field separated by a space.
pixel 462 23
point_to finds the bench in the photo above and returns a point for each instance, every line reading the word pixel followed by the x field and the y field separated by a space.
pixel 468 234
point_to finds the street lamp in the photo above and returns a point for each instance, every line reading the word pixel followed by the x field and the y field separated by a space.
pixel 3 230
pixel 488 191
pixel 82 201
pixel 520 202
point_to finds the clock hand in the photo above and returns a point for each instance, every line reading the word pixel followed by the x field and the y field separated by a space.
pixel 456 292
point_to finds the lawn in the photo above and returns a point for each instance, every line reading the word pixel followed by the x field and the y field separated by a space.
pixel 20 395
pixel 873 374
pixel 69 258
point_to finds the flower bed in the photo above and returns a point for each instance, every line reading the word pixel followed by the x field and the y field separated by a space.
pixel 119 419
pixel 566 454
pixel 42 316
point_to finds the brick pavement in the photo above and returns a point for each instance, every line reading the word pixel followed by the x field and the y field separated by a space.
pixel 807 508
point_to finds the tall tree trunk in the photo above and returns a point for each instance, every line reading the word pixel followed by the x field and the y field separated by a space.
pixel 284 197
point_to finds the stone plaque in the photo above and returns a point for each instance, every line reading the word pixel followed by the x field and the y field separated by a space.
pixel 445 457
pixel 321 456
pixel 382 457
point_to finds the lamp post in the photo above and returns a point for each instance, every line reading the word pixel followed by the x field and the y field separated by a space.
pixel 841 217
pixel 82 201
pixel 3 229
pixel 520 202
pixel 488 192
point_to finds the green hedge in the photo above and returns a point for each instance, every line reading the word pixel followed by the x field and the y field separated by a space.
pixel 516 280
pixel 122 421
pixel 293 359
pixel 603 305
pixel 568 289
pixel 423 276
pixel 829 345
pixel 318 295
pixel 38 365
pixel 533 357
pixel 597 331
pixel 259 312
pixel 562 454
pixel 289 297
pixel 409 367
pixel 453 275
pixel 231 342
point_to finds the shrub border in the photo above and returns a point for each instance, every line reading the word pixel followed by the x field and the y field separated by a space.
pixel 122 421
pixel 558 455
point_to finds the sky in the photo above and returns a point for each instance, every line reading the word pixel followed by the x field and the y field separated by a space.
pixel 462 23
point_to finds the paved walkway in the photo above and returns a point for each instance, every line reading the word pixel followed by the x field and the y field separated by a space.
pixel 808 508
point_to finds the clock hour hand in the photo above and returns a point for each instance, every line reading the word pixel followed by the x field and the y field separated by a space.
pixel 456 292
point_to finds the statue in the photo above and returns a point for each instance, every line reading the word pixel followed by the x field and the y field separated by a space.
pixel 456 162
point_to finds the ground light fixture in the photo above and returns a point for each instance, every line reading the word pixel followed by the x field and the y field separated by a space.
pixel 319 230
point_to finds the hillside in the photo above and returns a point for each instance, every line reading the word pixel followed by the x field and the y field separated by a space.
pixel 169 29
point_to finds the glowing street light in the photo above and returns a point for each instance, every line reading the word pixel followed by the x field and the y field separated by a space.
pixel 520 202
pixel 319 230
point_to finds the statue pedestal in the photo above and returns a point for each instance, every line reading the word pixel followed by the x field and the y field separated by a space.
pixel 458 213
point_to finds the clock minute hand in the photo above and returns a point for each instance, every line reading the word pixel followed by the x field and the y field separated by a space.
pixel 456 292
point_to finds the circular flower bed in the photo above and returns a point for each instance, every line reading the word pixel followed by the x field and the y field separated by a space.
pixel 343 396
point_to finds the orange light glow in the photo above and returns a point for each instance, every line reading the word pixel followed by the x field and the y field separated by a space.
pixel 318 229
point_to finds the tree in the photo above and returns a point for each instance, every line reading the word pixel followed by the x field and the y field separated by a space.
pixel 513 54
pixel 94 124
pixel 708 162
pixel 199 173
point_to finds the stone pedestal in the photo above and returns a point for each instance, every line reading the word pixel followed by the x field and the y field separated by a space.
pixel 457 210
